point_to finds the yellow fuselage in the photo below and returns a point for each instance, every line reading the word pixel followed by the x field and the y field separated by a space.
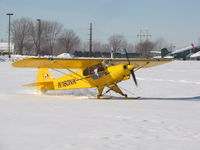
pixel 109 76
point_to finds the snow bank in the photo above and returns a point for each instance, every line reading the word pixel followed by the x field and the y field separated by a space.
pixel 65 55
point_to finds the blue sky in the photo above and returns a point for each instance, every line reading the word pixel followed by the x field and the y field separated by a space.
pixel 176 21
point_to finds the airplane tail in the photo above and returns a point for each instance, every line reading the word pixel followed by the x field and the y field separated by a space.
pixel 43 75
pixel 164 52
pixel 44 80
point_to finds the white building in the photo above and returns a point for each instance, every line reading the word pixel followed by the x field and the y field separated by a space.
pixel 4 47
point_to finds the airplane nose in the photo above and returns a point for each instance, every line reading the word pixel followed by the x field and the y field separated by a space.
pixel 130 67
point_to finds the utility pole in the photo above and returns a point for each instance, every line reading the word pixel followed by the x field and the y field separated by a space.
pixel 148 35
pixel 191 50
pixel 39 34
pixel 142 35
pixel 90 47
pixel 9 14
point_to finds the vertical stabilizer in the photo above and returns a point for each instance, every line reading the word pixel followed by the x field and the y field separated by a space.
pixel 44 76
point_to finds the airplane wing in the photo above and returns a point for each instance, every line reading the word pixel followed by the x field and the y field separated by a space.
pixel 70 63
pixel 55 63
pixel 142 63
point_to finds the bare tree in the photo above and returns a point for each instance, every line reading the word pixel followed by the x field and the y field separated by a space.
pixel 20 29
pixel 130 47
pixel 145 48
pixel 97 46
pixel 84 46
pixel 105 48
pixel 117 42
pixel 50 34
pixel 69 41
pixel 35 34
pixel 161 43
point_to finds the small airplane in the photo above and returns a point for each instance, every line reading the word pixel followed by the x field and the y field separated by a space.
pixel 182 53
pixel 92 73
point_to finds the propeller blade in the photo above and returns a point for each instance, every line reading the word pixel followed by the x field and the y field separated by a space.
pixel 132 71
pixel 127 57
pixel 134 78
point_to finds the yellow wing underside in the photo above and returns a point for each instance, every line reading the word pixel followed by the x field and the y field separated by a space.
pixel 59 63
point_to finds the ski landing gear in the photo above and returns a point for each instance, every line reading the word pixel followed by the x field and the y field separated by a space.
pixel 113 87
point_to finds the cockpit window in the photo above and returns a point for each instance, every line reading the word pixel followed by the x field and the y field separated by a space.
pixel 95 71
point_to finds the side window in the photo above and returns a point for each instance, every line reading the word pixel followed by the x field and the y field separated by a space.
pixel 99 75
pixel 101 68
pixel 96 69
pixel 86 72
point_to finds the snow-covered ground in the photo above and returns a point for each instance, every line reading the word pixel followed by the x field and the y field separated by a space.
pixel 166 117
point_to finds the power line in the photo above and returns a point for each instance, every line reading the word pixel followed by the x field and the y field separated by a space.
pixel 144 35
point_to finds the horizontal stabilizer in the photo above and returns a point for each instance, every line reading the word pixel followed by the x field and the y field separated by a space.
pixel 39 84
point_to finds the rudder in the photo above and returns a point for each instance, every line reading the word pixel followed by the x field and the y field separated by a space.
pixel 44 76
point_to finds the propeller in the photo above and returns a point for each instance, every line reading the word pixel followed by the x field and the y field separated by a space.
pixel 132 71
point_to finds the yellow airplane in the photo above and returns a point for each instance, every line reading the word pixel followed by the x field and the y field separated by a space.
pixel 92 73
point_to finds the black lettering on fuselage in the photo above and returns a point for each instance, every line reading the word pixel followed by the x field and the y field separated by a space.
pixel 66 83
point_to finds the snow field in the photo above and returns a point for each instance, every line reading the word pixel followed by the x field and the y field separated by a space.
pixel 165 117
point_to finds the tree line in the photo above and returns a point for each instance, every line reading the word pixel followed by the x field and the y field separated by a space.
pixel 51 38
